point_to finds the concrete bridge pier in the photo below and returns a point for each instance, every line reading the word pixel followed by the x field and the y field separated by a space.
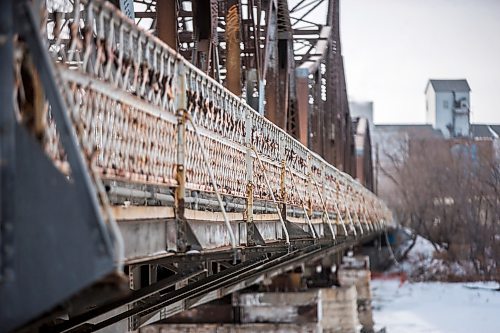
pixel 355 271
pixel 330 295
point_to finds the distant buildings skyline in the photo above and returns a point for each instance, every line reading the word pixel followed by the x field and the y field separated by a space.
pixel 391 48
pixel 447 123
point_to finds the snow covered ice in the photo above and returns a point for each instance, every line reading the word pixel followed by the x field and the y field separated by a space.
pixel 434 307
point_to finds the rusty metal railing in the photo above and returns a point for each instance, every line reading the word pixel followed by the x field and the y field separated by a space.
pixel 124 89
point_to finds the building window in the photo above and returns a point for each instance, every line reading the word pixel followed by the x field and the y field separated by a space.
pixel 445 104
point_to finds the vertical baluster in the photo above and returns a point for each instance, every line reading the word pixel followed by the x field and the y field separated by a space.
pixel 179 234
pixel 250 226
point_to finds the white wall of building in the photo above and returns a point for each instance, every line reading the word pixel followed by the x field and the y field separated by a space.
pixel 462 119
pixel 444 115
pixel 430 104
pixel 440 115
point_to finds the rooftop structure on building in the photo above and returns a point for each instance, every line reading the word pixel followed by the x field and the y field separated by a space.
pixel 485 131
pixel 448 107
pixel 449 85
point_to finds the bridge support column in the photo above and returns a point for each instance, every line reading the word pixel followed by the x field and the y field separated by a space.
pixel 166 22
pixel 285 306
pixel 302 95
pixel 233 61
pixel 355 271
pixel 252 83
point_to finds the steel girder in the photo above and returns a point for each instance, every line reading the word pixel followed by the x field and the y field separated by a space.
pixel 320 66
pixel 54 238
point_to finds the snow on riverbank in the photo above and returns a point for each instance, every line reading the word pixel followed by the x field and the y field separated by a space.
pixel 422 264
pixel 434 307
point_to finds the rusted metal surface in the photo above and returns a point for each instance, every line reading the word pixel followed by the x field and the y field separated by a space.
pixel 278 37
pixel 125 88
pixel 302 95
pixel 320 66
pixel 166 22
pixel 233 64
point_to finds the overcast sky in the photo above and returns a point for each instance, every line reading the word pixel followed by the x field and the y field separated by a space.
pixel 392 47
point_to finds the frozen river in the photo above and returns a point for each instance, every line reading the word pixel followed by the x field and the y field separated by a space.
pixel 433 307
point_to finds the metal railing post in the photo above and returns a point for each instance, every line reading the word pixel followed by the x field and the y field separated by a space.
pixel 309 186
pixel 283 195
pixel 180 191
pixel 250 226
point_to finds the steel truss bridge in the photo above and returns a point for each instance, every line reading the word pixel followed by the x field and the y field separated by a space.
pixel 149 166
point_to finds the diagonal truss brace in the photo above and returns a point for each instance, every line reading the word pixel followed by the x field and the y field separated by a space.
pixel 302 202
pixel 213 180
pixel 323 203
pixel 287 236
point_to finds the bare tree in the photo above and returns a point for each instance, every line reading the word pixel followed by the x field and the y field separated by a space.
pixel 449 192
